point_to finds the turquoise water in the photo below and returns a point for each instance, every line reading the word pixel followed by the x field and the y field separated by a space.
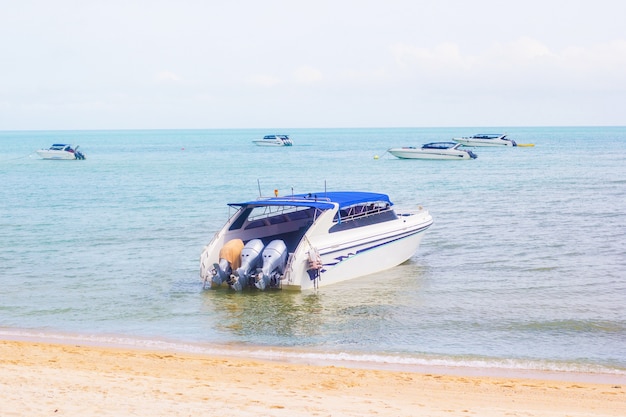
pixel 524 267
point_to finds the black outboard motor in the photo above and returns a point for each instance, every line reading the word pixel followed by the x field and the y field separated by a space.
pixel 78 155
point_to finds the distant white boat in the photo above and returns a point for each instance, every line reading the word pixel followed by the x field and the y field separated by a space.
pixel 274 140
pixel 61 151
pixel 434 150
pixel 486 139
pixel 305 241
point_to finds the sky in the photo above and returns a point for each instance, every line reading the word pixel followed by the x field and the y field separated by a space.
pixel 185 64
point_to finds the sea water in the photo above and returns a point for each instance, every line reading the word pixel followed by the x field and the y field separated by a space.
pixel 524 267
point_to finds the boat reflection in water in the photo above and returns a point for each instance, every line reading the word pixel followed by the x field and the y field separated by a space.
pixel 364 311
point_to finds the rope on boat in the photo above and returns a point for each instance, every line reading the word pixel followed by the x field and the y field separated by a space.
pixel 315 263
pixel 315 266
pixel 30 155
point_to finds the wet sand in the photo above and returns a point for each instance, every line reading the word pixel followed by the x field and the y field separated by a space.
pixel 42 379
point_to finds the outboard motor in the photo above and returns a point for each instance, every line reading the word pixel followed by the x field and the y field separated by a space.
pixel 274 260
pixel 472 154
pixel 229 260
pixel 250 259
pixel 78 155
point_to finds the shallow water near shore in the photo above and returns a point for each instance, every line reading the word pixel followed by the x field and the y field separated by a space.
pixel 523 268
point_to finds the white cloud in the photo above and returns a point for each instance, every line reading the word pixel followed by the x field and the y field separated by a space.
pixel 307 75
pixel 519 63
pixel 609 56
pixel 368 76
pixel 443 56
pixel 262 80
pixel 448 57
pixel 166 76
pixel 519 51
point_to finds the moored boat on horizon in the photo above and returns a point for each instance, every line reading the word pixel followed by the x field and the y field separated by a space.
pixel 61 151
pixel 486 139
pixel 274 140
pixel 433 150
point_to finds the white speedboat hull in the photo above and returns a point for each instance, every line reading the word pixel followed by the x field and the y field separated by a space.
pixel 351 260
pixel 61 151
pixel 326 243
pixel 274 140
pixel 485 140
pixel 433 150
pixel 47 154
pixel 415 153
pixel 263 142
pixel 482 142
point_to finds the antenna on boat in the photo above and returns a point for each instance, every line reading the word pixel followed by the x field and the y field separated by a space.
pixel 259 185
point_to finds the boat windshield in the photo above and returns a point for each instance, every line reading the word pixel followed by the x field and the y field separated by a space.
pixel 361 210
pixel 440 145
pixel 362 215
pixel 251 217
pixel 280 213
pixel 487 136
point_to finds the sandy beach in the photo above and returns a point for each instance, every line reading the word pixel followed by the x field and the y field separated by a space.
pixel 41 379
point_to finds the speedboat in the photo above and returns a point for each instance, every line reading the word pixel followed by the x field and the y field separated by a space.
pixel 486 139
pixel 434 150
pixel 61 151
pixel 274 140
pixel 305 241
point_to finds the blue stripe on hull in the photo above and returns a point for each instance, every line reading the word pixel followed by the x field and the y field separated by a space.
pixel 380 242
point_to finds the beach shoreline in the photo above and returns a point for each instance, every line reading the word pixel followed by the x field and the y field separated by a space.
pixel 43 378
pixel 303 356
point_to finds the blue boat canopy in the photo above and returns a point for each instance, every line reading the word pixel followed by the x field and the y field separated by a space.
pixel 322 200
